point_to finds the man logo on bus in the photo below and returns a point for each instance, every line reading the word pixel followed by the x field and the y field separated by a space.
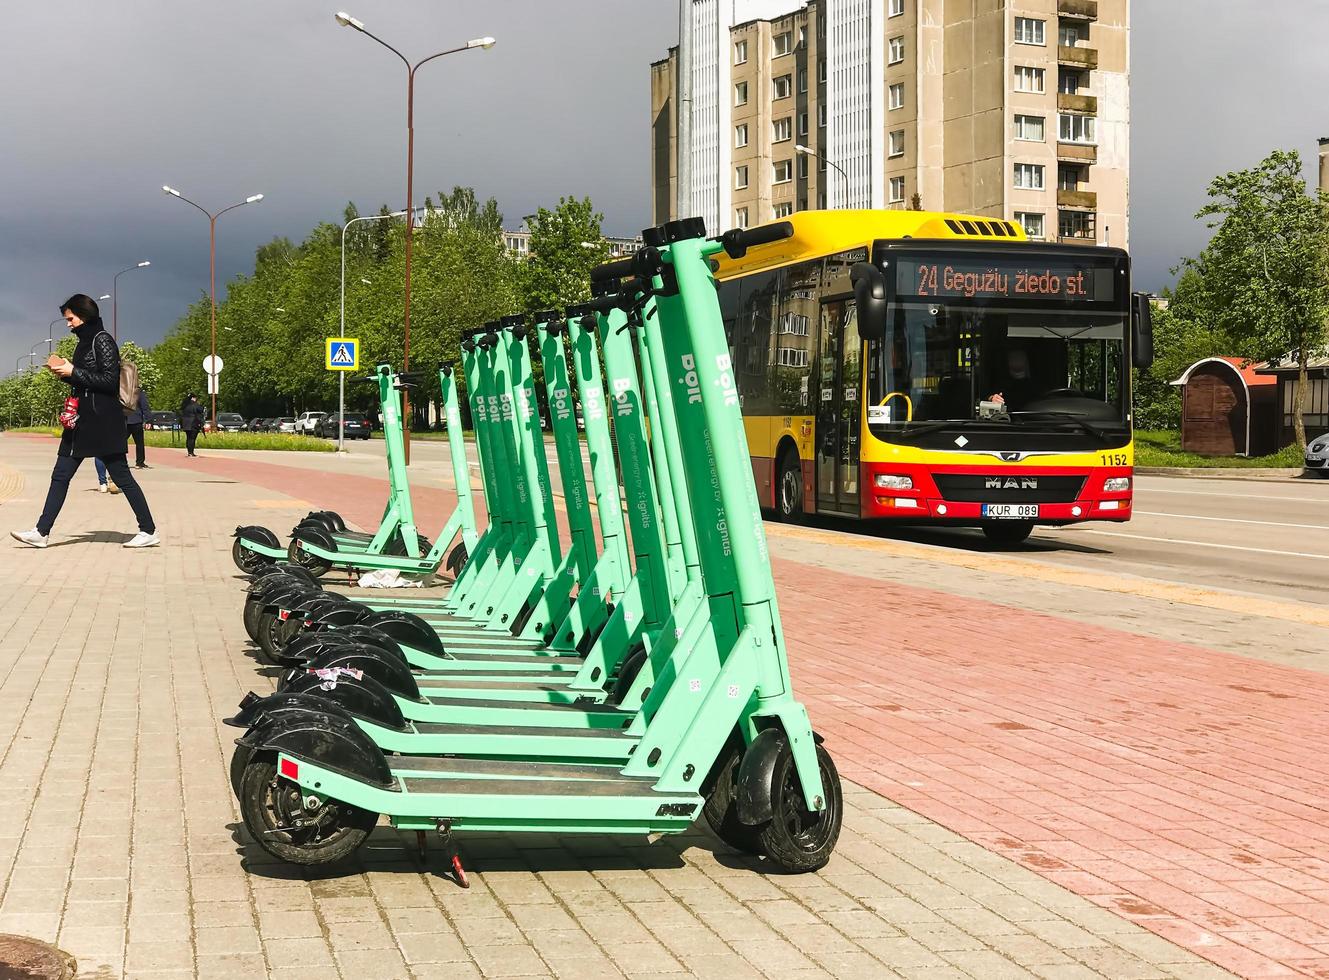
pixel 1010 483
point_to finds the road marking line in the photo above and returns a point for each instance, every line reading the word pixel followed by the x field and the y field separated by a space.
pixel 1238 496
pixel 1204 544
pixel 1234 520
pixel 1044 571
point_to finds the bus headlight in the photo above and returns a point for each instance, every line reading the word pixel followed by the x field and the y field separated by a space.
pixel 1117 484
pixel 886 481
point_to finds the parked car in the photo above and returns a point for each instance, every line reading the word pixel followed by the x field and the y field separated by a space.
pixel 356 426
pixel 164 421
pixel 285 424
pixel 230 422
pixel 253 424
pixel 1317 456
pixel 307 422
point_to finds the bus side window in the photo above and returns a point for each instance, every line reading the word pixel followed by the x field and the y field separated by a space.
pixel 796 338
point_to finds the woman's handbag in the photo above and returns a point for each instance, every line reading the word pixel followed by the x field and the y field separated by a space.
pixel 69 412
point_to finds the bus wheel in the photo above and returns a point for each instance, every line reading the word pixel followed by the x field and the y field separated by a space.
pixel 1008 532
pixel 789 488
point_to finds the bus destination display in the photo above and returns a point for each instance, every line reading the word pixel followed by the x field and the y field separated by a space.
pixel 1004 278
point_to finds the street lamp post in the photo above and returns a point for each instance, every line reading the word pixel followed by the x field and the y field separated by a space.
pixel 212 268
pixel 115 297
pixel 809 152
pixel 341 383
pixel 50 334
pixel 346 20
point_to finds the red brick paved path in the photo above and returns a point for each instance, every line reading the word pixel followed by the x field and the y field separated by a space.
pixel 1178 786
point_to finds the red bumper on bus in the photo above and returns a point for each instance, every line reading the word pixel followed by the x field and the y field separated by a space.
pixel 967 494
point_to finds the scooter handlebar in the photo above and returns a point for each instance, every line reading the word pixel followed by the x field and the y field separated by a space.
pixel 737 241
pixel 609 271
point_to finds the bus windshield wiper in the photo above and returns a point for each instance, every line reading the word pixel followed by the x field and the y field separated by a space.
pixel 1088 427
pixel 923 428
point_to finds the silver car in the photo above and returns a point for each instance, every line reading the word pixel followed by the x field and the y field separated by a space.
pixel 1317 455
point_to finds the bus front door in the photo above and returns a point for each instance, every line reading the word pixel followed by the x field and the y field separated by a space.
pixel 839 408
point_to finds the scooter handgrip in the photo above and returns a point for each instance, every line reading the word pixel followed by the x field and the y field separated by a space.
pixel 737 241
pixel 609 271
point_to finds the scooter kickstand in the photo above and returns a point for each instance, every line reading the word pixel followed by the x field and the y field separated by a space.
pixel 420 845
pixel 454 858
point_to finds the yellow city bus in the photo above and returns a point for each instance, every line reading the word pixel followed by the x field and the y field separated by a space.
pixel 936 368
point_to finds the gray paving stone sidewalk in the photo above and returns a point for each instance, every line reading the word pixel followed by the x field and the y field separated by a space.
pixel 123 842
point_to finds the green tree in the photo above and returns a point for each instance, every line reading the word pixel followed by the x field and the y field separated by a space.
pixel 566 243
pixel 1185 331
pixel 1266 269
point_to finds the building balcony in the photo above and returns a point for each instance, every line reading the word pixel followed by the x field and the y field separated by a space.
pixel 1084 200
pixel 1087 104
pixel 1086 58
pixel 1077 152
pixel 1078 9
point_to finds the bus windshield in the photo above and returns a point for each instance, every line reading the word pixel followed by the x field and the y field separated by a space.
pixel 951 361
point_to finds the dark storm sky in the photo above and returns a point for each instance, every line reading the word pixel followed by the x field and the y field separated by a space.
pixel 103 102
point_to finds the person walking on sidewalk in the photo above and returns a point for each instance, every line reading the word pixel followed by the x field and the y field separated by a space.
pixel 104 483
pixel 93 376
pixel 134 423
pixel 191 420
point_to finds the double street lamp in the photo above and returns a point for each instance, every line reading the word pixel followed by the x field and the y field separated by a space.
pixel 346 20
pixel 212 269
pixel 115 296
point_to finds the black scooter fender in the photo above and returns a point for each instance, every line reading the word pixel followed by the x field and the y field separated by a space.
pixel 335 616
pixel 258 535
pixel 255 708
pixel 361 697
pixel 392 673
pixel 322 737
pixel 756 776
pixel 315 535
pixel 409 630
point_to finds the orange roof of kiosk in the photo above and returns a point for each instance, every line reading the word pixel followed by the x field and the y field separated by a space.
pixel 828 232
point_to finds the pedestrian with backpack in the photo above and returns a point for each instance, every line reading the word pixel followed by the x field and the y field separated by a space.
pixel 135 417
pixel 93 421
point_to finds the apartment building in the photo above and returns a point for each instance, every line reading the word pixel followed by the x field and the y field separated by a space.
pixel 1018 109
pixel 518 244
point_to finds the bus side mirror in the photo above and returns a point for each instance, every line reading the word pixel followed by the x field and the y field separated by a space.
pixel 1142 331
pixel 870 296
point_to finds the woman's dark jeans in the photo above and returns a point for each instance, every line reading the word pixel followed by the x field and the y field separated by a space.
pixel 118 469
pixel 191 435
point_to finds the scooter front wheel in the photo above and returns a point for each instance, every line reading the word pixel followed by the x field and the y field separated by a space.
pixel 798 839
pixel 457 559
pixel 282 821
pixel 721 808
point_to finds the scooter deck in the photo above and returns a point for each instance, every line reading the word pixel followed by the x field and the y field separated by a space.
pixel 522 741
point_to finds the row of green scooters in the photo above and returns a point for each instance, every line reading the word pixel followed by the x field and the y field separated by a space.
pixel 620 682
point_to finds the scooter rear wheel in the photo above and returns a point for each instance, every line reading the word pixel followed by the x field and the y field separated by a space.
pixel 275 814
pixel 798 839
pixel 313 564
pixel 253 611
pixel 457 559
pixel 248 561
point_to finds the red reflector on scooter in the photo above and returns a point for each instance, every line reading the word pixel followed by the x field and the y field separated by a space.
pixel 283 614
pixel 290 769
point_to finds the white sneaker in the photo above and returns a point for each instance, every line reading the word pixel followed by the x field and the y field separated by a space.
pixel 103 488
pixel 140 540
pixel 34 538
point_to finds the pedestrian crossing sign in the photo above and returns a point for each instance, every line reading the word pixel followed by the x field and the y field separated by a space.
pixel 342 354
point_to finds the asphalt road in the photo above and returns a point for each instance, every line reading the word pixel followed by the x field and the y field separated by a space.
pixel 1266 537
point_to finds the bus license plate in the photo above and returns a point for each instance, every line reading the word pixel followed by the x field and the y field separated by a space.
pixel 1012 512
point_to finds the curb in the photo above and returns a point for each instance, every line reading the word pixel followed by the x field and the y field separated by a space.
pixel 1261 474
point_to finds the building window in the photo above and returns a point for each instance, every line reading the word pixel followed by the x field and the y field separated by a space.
pixel 1077 129
pixel 782 129
pixel 896 8
pixel 802 124
pixel 802 79
pixel 791 356
pixel 1071 82
pixel 740 178
pixel 895 147
pixel 895 50
pixel 821 115
pixel 794 324
pixel 802 36
pixel 1030 30
pixel 1076 224
pixel 1029 128
pixel 897 190
pixel 1029 79
pixel 782 172
pixel 741 93
pixel 741 135
pixel 1032 222
pixel 740 52
pixel 782 44
pixel 1029 176
pixel 896 95
pixel 782 87
pixel 1070 176
pixel 740 217
pixel 782 210
pixel 821 71
pixel 1070 33
pixel 802 166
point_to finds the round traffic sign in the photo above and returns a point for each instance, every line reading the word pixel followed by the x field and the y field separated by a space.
pixel 209 367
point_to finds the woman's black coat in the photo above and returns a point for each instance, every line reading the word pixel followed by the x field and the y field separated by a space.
pixel 191 416
pixel 96 383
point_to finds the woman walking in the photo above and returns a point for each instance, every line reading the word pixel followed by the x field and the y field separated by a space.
pixel 98 428
pixel 191 420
